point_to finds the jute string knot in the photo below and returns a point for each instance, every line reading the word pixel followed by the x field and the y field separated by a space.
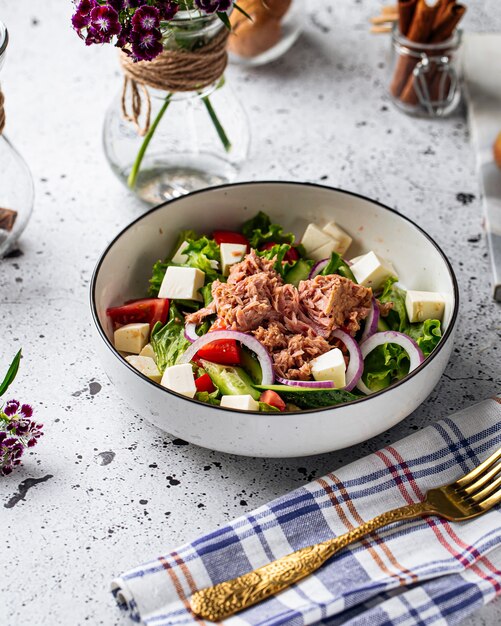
pixel 2 112
pixel 171 71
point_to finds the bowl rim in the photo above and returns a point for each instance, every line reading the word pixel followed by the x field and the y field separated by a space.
pixel 263 414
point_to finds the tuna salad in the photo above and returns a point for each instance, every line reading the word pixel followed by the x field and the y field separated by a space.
pixel 254 320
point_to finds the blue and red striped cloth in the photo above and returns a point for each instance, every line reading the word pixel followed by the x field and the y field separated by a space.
pixel 426 571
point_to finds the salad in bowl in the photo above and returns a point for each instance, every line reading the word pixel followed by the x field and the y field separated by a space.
pixel 256 320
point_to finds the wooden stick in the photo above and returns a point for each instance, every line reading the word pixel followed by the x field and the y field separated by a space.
pixel 378 30
pixel 389 9
pixel 406 9
pixel 384 19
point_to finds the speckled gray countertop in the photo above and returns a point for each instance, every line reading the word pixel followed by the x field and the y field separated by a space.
pixel 104 490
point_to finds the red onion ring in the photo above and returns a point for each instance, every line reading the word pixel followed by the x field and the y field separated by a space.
pixel 247 340
pixel 356 363
pixel 317 268
pixel 306 384
pixel 391 336
pixel 190 332
pixel 371 321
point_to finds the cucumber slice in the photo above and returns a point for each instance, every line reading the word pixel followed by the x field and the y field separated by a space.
pixel 299 272
pixel 231 381
pixel 311 398
pixel 251 365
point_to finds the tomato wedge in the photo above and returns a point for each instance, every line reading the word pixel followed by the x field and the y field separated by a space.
pixel 151 310
pixel 273 399
pixel 291 256
pixel 204 383
pixel 222 351
pixel 218 325
pixel 229 236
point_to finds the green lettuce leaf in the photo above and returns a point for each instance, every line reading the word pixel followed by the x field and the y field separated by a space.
pixel 184 235
pixel 426 334
pixel 337 265
pixel 204 254
pixel 260 230
pixel 168 341
pixel 279 251
pixel 209 398
pixel 384 365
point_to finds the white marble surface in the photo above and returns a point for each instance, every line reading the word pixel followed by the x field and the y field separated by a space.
pixel 118 491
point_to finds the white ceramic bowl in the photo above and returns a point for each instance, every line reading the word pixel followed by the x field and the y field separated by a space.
pixel 125 267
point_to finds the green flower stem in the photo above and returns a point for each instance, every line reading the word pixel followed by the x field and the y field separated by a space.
pixel 131 181
pixel 217 124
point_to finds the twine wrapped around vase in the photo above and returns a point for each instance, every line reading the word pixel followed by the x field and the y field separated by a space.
pixel 171 71
pixel 2 112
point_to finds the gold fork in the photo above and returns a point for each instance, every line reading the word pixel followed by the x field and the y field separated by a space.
pixel 470 496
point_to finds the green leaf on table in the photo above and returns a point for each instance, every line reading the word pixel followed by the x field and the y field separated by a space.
pixel 11 373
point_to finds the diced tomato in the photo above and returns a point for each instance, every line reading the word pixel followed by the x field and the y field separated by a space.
pixel 291 256
pixel 222 351
pixel 273 399
pixel 204 383
pixel 218 325
pixel 151 310
pixel 228 236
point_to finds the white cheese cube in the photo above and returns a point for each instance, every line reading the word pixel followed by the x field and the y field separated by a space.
pixel 231 253
pixel 424 305
pixel 132 337
pixel 241 403
pixel 330 366
pixel 371 271
pixel 180 378
pixel 324 252
pixel 182 283
pixel 341 238
pixel 179 257
pixel 148 351
pixel 146 365
pixel 315 238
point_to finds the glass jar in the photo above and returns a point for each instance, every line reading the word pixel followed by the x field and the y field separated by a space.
pixel 262 41
pixel 425 79
pixel 196 139
pixel 16 183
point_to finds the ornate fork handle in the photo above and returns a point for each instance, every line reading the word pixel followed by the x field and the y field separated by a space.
pixel 229 597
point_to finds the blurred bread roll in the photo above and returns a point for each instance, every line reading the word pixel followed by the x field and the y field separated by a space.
pixel 251 38
pixel 497 150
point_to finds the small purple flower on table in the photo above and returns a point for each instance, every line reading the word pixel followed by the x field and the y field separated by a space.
pixel 17 432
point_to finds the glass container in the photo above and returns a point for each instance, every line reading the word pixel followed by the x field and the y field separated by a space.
pixel 16 182
pixel 260 42
pixel 196 139
pixel 426 78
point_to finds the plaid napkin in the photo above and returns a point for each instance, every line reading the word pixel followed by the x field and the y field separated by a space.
pixel 426 571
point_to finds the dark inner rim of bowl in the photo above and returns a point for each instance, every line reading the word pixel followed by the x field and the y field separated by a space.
pixel 442 342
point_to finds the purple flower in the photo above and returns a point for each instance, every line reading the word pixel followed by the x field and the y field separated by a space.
pixel 17 432
pixel 211 6
pixel 146 19
pixel 124 38
pixel 167 8
pixel 118 5
pixel 26 410
pixel 146 45
pixel 11 408
pixel 104 24
pixel 81 18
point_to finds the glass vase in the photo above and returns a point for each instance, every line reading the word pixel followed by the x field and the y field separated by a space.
pixel 196 139
pixel 16 182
